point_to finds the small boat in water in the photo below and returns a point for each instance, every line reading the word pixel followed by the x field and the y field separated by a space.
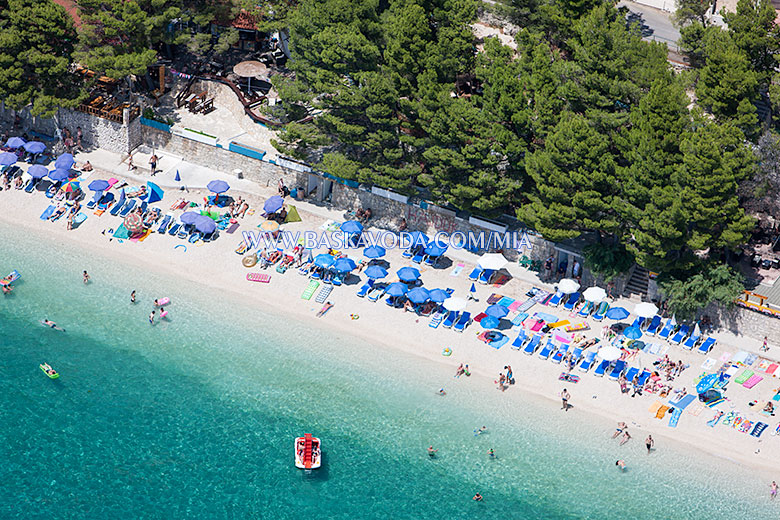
pixel 307 452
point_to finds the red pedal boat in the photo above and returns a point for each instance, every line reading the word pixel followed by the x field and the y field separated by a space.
pixel 307 452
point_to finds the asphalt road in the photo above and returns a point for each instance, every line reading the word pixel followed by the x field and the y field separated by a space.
pixel 655 24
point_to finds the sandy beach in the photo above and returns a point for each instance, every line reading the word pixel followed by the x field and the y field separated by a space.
pixel 217 266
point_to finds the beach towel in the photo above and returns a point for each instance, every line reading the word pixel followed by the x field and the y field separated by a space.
pixel 458 269
pixel 47 212
pixel 506 301
pixel 708 363
pixel 479 317
pixel 515 305
pixel 323 294
pixel 744 376
pixel 292 215
pixel 121 232
pixel 729 418
pixel 716 402
pixel 230 230
pixel 559 323
pixel 753 381
pixel 696 409
pixel 758 429
pixel 500 280
pixel 494 298
pixel 652 348
pixel 683 403
pixel 763 364
pixel 715 420
pixel 751 359
pixel 258 277
pixel 661 412
pixel 519 319
pixel 142 237
pixel 79 218
pixel 549 318
pixel 537 325
pixel 674 417
pixel 725 357
pixel 772 369
pixel 655 407
pixel 309 291
pixel 746 426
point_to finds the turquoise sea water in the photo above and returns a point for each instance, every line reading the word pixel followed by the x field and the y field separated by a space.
pixel 195 418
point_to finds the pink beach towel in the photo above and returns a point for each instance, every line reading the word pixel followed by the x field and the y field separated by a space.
pixel 515 305
pixel 537 325
pixel 772 368
pixel 258 277
pixel 753 381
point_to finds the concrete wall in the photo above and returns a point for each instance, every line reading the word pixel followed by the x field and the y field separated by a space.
pixel 98 132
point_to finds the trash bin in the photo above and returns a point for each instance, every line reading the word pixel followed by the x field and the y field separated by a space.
pixel 294 193
pixel 299 194
pixel 238 173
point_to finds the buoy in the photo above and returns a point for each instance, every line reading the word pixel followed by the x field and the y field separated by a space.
pixel 446 352
pixel 249 261
pixel 181 245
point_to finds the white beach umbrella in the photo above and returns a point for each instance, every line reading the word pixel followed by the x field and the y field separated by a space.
pixel 594 294
pixel 454 304
pixel 646 310
pixel 610 353
pixel 492 261
pixel 568 286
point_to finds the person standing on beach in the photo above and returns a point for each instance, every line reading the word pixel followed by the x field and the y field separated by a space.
pixel 153 163
pixel 649 442
pixel 773 490
pixel 565 396
pixel 130 165
pixel 765 346
pixel 86 278
pixel 132 297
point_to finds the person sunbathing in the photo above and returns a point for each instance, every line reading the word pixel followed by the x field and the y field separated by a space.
pixel 7 289
pixel 87 167
pixel 769 408
pixel 288 261
pixel 325 308
pixel 60 211
pixel 18 183
pixel 49 370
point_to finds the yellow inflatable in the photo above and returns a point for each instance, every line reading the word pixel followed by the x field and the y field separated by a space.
pixel 446 352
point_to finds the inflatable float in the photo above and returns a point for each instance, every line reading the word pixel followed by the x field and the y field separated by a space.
pixel 249 261
pixel 55 375
pixel 159 302
pixel 446 352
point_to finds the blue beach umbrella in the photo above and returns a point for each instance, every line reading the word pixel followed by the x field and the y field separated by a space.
pixel 375 272
pixel 218 186
pixel 190 217
pixel 8 158
pixel 59 174
pixel 352 227
pixel 435 249
pixel 324 260
pixel 64 161
pixel 14 143
pixel 408 274
pixel 396 289
pixel 617 313
pixel 497 311
pixel 205 224
pixel 489 322
pixel 438 295
pixel 632 333
pixel 418 295
pixel 418 238
pixel 34 147
pixel 273 204
pixel 154 193
pixel 343 265
pixel 37 171
pixel 374 252
pixel 98 185
pixel 473 288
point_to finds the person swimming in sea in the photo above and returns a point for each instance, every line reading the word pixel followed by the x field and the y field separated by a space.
pixel 431 452
pixel 491 453
pixel 442 392
pixel 47 322
pixel 151 317
pixel 480 431
pixel 132 297
pixel 621 464
pixel 477 498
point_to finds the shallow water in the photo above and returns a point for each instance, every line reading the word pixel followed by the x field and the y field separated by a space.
pixel 196 417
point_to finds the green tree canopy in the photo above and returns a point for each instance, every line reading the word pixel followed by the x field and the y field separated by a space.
pixel 36 41
pixel 752 27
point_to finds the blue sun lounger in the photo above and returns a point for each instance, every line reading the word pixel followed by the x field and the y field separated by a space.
pixel 364 289
pixel 585 311
pixel 706 346
pixel 638 322
pixel 117 208
pixel 450 320
pixel 587 360
pixel 463 322
pixel 644 376
pixel 692 341
pixel 547 349
pixel 194 237
pixel 632 373
pixel 599 372
pixel 667 330
pixel 601 311
pixel 555 299
pixel 376 292
pixel 680 335
pixel 47 212
pixel 175 229
pixel 620 367
pixel 652 327
pixel 486 275
pixel 474 275
pixel 572 301
pixel 575 356
pixel 128 207
pixel 436 319
pixel 416 259
pixel 30 185
pixel 532 345
pixel 558 356
pixel 91 204
pixel 166 221
pixel 517 344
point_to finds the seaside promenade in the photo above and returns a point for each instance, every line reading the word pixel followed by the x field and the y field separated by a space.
pixel 216 265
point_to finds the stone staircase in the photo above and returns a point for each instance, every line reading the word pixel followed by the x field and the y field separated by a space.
pixel 637 284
